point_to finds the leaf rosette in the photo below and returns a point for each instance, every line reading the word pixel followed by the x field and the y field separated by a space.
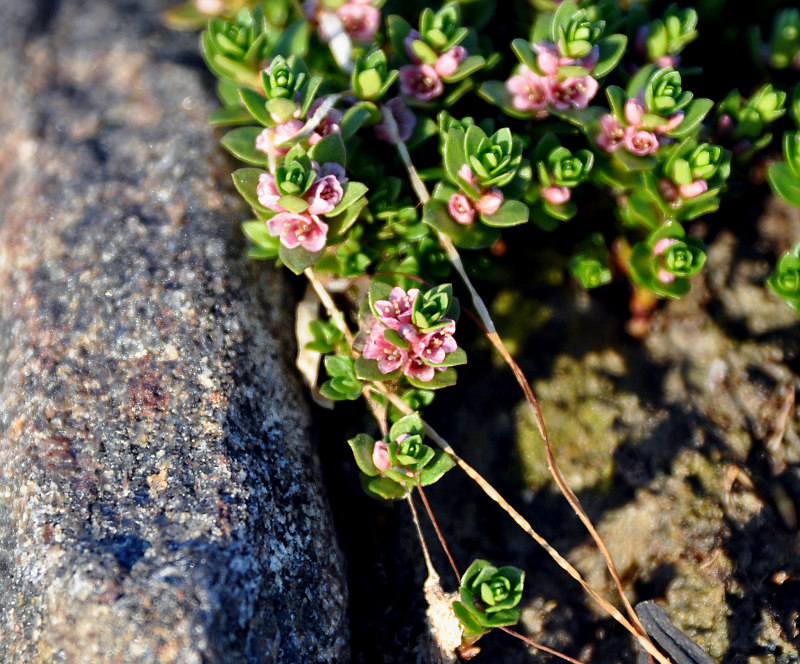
pixel 391 468
pixel 785 280
pixel 664 262
pixel 489 597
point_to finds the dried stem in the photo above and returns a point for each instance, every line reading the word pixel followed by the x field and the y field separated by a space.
pixel 491 333
pixel 439 533
pixel 425 553
pixel 539 646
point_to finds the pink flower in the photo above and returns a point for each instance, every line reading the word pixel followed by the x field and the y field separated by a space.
pixel 420 81
pixel 672 122
pixel 403 117
pixel 668 191
pixel 324 195
pixel 360 20
pixel 396 311
pixel 662 245
pixel 633 112
pixel 640 142
pixel 414 367
pixel 449 61
pixel 210 6
pixel 434 346
pixel 556 195
pixel 572 92
pixel 389 356
pixel 466 174
pixel 613 133
pixel 460 208
pixel 299 230
pixel 547 58
pixel 528 90
pixel 271 136
pixel 267 192
pixel 694 189
pixel 328 125
pixel 490 201
pixel 380 455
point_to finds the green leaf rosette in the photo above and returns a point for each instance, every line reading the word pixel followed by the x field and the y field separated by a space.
pixel 589 264
pixel 236 50
pixel 785 280
pixel 664 262
pixel 391 468
pixel 489 597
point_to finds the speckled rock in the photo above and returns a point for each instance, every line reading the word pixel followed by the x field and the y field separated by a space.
pixel 160 500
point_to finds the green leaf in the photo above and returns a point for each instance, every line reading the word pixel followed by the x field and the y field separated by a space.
pixel 440 379
pixel 329 149
pixel 352 120
pixel 256 104
pixel 298 259
pixel 436 468
pixel 362 446
pixel 353 191
pixel 611 50
pixel 229 116
pixel 398 29
pixel 339 225
pixel 339 367
pixel 246 181
pixel 784 182
pixel 471 625
pixel 410 425
pixel 368 370
pixel 293 40
pixel 469 66
pixel 695 113
pixel 511 213
pixel 260 253
pixel 257 232
pixel 454 155
pixel 453 359
pixel 383 487
pixel 293 204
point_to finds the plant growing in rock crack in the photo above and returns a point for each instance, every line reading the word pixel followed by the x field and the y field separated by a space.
pixel 374 161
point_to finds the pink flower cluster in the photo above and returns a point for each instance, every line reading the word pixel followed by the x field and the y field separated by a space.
pixel 395 314
pixel 462 208
pixel 424 81
pixel 304 229
pixel 403 117
pixel 534 92
pixel 272 137
pixel 634 137
pixel 358 18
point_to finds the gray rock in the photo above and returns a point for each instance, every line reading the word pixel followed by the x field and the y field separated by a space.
pixel 160 500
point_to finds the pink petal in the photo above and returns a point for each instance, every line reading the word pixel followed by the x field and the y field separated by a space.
pixel 556 195
pixel 633 112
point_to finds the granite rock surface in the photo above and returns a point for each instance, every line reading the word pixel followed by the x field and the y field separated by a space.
pixel 160 499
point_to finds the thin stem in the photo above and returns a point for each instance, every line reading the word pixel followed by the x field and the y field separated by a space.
pixel 491 333
pixel 439 533
pixel 562 562
pixel 539 646
pixel 425 553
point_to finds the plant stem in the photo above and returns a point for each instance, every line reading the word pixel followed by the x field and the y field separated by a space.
pixel 539 646
pixel 491 333
pixel 439 533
